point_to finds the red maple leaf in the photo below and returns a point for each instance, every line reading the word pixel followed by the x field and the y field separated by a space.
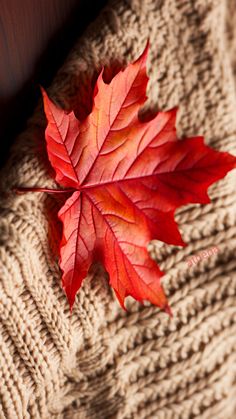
pixel 127 178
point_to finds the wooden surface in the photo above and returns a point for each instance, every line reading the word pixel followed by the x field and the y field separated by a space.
pixel 26 26
pixel 35 37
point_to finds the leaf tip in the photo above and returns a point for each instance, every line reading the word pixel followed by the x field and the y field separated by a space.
pixel 146 49
pixel 71 308
pixel 121 300
pixel 182 243
pixel 143 56
pixel 168 310
pixel 43 91
pixel 71 301
pixel 44 96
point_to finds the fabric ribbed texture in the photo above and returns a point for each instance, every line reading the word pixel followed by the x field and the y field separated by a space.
pixel 101 362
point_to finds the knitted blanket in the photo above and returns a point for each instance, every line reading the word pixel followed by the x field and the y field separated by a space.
pixel 102 362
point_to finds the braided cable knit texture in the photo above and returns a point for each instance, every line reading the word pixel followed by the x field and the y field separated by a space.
pixel 101 362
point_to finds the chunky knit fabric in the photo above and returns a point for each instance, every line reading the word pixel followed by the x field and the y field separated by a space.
pixel 101 362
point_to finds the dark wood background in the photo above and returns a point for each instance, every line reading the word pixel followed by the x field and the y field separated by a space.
pixel 35 37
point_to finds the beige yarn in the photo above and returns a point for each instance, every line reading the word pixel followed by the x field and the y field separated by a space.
pixel 101 362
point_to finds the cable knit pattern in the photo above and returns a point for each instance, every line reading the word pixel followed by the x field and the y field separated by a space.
pixel 101 362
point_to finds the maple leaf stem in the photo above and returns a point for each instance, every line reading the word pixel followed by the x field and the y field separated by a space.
pixel 22 190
